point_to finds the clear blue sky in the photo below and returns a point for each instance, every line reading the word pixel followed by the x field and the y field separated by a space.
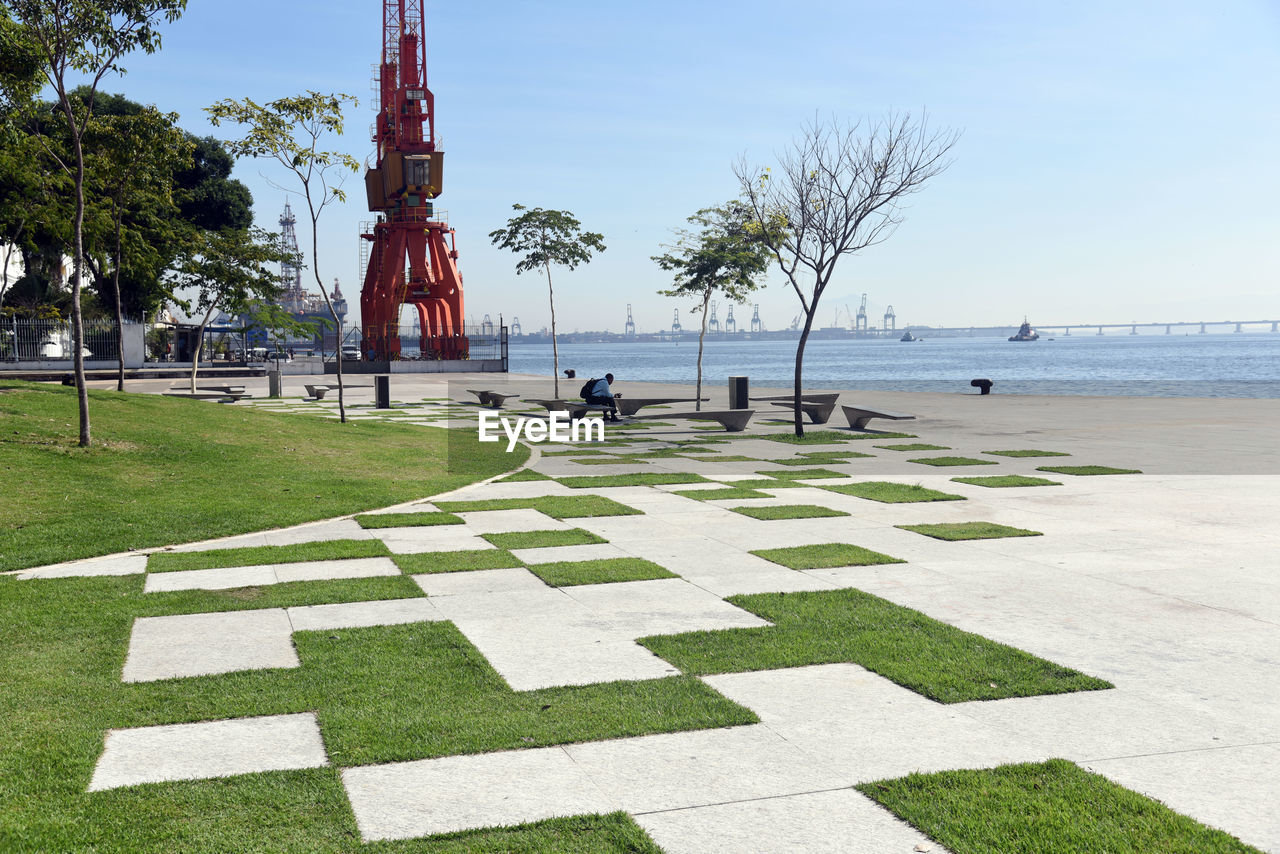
pixel 1118 160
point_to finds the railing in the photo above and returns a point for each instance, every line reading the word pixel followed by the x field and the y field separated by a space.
pixel 488 342
pixel 27 340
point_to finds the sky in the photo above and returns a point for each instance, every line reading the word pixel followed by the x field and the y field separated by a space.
pixel 1117 161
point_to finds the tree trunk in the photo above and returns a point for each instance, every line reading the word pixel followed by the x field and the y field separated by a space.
pixel 77 319
pixel 195 359
pixel 697 394
pixel 804 337
pixel 555 352
pixel 315 271
pixel 115 282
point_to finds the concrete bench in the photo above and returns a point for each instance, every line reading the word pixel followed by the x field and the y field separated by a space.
pixel 818 412
pixel 815 397
pixel 575 409
pixel 858 417
pixel 632 405
pixel 490 398
pixel 732 420
pixel 319 391
pixel 205 395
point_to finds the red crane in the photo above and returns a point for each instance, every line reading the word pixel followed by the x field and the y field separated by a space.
pixel 414 257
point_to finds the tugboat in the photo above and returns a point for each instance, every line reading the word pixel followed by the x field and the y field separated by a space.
pixel 1025 332
pixel 907 336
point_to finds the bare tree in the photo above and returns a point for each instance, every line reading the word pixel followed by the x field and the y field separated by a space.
pixel 838 189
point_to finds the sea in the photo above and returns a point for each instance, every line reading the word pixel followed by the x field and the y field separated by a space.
pixel 1154 365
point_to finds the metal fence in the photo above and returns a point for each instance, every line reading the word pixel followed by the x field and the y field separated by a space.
pixel 486 341
pixel 27 340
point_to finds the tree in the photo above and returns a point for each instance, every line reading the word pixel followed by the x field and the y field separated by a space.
pixel 133 164
pixel 546 238
pixel 725 255
pixel 231 270
pixel 86 37
pixel 838 190
pixel 290 131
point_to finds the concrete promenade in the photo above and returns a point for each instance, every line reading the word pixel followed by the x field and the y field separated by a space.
pixel 1164 583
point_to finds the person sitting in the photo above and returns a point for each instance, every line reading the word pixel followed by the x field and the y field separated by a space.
pixel 600 394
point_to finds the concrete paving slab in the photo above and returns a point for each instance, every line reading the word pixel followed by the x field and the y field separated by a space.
pixel 324 570
pixel 212 749
pixel 124 564
pixel 226 578
pixel 435 538
pixel 554 554
pixel 409 799
pixel 838 822
pixel 203 644
pixel 660 606
pixel 504 521
pixel 479 581
pixel 690 769
pixel 350 615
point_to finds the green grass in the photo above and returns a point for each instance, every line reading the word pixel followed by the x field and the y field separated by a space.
pixel 381 694
pixel 555 506
pixel 607 571
pixel 914 446
pixel 611 460
pixel 641 479
pixel 969 531
pixel 811 437
pixel 729 493
pixel 889 492
pixel 768 483
pixel 406 520
pixel 1028 452
pixel 727 458
pixel 165 470
pixel 915 651
pixel 808 460
pixel 1086 470
pixel 612 833
pixel 952 461
pixel 1052 807
pixel 576 452
pixel 543 539
pixel 789 511
pixel 523 475
pixel 824 556
pixel 876 434
pixel 459 561
pixel 261 555
pixel 1004 481
pixel 801 474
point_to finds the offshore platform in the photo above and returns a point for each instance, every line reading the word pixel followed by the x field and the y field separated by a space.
pixel 413 259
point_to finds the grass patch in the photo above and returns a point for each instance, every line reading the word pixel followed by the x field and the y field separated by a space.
pixel 382 694
pixel 824 556
pixel 969 531
pixel 789 511
pixel 555 506
pixel 583 452
pixel 1052 807
pixel 1003 481
pixel 612 833
pixel 915 651
pixel 952 461
pixel 459 561
pixel 877 434
pixel 407 520
pixel 889 492
pixel 727 458
pixel 834 456
pixel 1086 470
pixel 611 460
pixel 160 467
pixel 825 460
pixel 607 571
pixel 523 475
pixel 811 437
pixel 729 493
pixel 802 474
pixel 543 539
pixel 640 479
pixel 1028 452
pixel 914 446
pixel 291 594
pixel 768 483
pixel 260 555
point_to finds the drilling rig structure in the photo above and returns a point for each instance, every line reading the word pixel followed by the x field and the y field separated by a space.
pixel 414 257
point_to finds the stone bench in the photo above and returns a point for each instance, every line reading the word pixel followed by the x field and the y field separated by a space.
pixel 575 409
pixel 818 412
pixel 490 398
pixel 858 417
pixel 319 391
pixel 632 405
pixel 732 420
pixel 205 395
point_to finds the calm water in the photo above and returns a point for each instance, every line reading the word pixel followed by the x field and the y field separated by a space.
pixel 1232 365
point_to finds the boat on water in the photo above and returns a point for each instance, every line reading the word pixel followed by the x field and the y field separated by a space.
pixel 907 336
pixel 1025 332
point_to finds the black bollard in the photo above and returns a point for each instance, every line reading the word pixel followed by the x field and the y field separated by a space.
pixel 985 385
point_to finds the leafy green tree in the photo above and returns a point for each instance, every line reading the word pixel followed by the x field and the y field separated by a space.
pixel 838 190
pixel 547 238
pixel 290 131
pixel 87 37
pixel 232 270
pixel 133 162
pixel 724 255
